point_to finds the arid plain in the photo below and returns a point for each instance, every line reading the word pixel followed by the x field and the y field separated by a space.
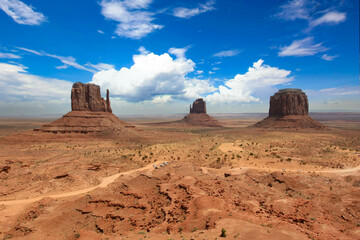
pixel 251 182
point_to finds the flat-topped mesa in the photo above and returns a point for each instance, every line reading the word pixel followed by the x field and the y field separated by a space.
pixel 198 106
pixel 87 97
pixel 289 110
pixel 287 102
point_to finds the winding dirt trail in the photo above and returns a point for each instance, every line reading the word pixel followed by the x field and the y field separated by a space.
pixel 110 179
pixel 104 183
pixel 236 171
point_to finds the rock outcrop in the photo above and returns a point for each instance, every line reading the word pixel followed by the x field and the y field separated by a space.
pixel 289 101
pixel 198 116
pixel 90 114
pixel 87 97
pixel 198 106
pixel 289 109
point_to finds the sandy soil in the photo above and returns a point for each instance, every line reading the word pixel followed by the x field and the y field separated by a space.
pixel 256 184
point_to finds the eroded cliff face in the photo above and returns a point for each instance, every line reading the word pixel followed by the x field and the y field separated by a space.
pixel 289 102
pixel 289 110
pixel 87 97
pixel 90 114
pixel 199 106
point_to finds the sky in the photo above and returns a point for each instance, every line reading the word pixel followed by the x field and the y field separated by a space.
pixel 158 56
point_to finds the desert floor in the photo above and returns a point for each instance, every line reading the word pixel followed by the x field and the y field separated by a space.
pixel 251 183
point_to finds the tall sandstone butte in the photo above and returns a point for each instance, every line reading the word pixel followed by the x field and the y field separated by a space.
pixel 90 114
pixel 289 108
pixel 198 106
pixel 87 97
pixel 289 101
pixel 198 116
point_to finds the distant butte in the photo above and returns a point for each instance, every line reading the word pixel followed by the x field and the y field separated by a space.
pixel 198 116
pixel 90 114
pixel 289 109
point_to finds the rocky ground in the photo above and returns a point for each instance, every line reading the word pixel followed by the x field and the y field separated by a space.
pixel 252 183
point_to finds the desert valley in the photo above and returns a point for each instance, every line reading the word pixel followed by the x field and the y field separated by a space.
pixel 90 175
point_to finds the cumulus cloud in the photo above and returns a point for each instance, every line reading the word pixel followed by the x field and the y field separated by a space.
pixel 134 21
pixel 195 88
pixel 303 47
pixel 182 12
pixel 17 84
pixel 259 78
pixel 150 76
pixel 228 53
pixel 22 13
pixel 162 99
pixel 100 31
pixel 178 52
pixel 9 55
pixel 332 17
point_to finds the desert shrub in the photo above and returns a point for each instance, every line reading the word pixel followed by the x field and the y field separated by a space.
pixel 223 233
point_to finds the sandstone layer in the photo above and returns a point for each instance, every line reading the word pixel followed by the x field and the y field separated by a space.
pixel 289 109
pixel 90 114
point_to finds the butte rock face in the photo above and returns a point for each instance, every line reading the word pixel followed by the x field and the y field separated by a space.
pixel 198 106
pixel 198 116
pixel 289 109
pixel 87 97
pixel 90 114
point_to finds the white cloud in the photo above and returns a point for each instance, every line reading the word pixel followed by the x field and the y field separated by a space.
pixel 162 99
pixel 328 57
pixel 195 88
pixel 30 51
pixel 18 85
pixel 100 66
pixel 259 78
pixel 182 12
pixel 211 72
pixel 303 47
pixel 178 52
pixel 296 9
pixel 151 75
pixel 22 13
pixel 143 50
pixel 134 21
pixel 9 55
pixel 228 53
pixel 336 91
pixel 100 31
pixel 67 61
pixel 333 17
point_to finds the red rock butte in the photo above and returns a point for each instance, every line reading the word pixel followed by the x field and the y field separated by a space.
pixel 90 114
pixel 198 116
pixel 289 109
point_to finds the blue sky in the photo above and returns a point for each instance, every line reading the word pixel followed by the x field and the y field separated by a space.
pixel 158 56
